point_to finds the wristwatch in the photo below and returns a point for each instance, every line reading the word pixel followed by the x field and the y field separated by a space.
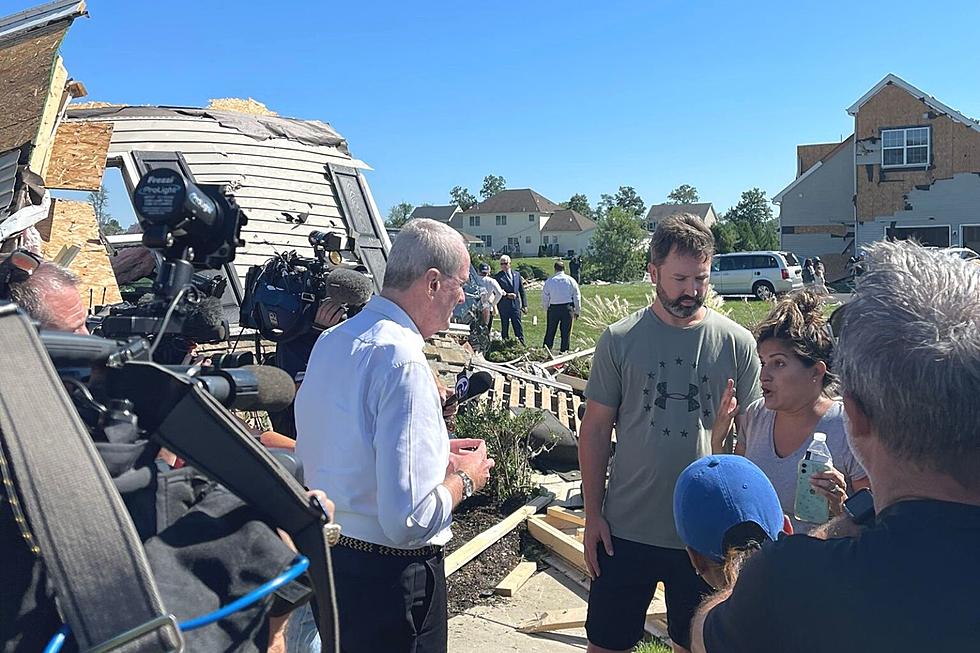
pixel 467 484
pixel 860 507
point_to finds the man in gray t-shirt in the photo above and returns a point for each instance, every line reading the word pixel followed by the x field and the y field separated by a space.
pixel 657 377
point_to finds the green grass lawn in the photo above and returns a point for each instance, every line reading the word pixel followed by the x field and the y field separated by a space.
pixel 746 313
pixel 653 646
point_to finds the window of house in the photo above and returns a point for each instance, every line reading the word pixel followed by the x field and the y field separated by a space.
pixel 487 240
pixel 474 221
pixel 514 242
pixel 530 217
pixel 905 147
pixel 501 220
pixel 527 239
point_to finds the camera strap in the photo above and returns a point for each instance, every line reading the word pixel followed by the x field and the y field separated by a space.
pixel 68 509
pixel 195 426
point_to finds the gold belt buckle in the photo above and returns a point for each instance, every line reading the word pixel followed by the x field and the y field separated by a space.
pixel 331 533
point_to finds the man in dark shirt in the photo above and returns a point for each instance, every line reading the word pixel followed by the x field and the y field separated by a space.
pixel 909 361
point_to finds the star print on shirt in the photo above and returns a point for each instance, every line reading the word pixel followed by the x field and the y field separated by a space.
pixel 652 424
pixel 647 408
pixel 663 364
pixel 678 360
pixel 707 413
pixel 646 391
pixel 666 431
pixel 650 375
pixel 704 379
pixel 683 434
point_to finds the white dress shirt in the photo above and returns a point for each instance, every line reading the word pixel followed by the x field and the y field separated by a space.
pixel 561 289
pixel 493 292
pixel 370 431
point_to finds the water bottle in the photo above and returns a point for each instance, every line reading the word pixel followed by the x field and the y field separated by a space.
pixel 811 506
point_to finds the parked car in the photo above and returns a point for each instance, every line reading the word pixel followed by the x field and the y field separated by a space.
pixel 762 274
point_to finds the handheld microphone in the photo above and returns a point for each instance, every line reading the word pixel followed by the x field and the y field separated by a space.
pixel 470 387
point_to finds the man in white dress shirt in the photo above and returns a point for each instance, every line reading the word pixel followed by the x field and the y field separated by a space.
pixel 371 434
pixel 490 295
pixel 562 301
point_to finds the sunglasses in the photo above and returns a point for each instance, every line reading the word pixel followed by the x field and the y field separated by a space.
pixel 17 268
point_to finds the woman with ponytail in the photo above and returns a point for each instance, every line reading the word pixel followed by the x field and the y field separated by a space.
pixel 799 398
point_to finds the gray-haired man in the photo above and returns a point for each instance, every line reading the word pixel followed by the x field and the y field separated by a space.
pixel 49 294
pixel 371 434
pixel 906 578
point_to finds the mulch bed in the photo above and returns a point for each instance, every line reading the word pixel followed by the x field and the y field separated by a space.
pixel 473 583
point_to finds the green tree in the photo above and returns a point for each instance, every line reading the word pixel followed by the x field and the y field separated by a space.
pixel 112 227
pixel 100 205
pixel 463 197
pixel 749 225
pixel 683 194
pixel 492 184
pixel 398 215
pixel 628 200
pixel 578 202
pixel 606 202
pixel 615 253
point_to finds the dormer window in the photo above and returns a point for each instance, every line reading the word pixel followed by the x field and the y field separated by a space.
pixel 905 147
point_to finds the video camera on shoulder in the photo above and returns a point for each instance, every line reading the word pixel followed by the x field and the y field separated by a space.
pixel 283 294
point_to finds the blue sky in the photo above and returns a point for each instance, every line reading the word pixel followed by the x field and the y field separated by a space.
pixel 563 97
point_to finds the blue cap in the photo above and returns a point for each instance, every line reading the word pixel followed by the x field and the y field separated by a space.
pixel 718 492
pixel 484 267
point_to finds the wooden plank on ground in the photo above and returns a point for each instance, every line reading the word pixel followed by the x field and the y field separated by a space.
pixel 511 372
pixel 546 398
pixel 576 403
pixel 553 620
pixel 564 514
pixel 515 580
pixel 498 387
pixel 568 357
pixel 563 409
pixel 489 537
pixel 566 546
pixel 515 393
pixel 576 383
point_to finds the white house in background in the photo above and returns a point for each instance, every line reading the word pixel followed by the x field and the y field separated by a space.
pixel 519 221
pixel 658 212
pixel 442 213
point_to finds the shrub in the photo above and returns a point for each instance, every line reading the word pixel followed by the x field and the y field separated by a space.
pixel 532 272
pixel 508 443
pixel 503 351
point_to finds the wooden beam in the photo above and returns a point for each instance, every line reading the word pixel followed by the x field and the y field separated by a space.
pixel 576 383
pixel 489 537
pixel 568 357
pixel 515 580
pixel 566 515
pixel 509 371
pixel 54 106
pixel 575 618
pixel 563 545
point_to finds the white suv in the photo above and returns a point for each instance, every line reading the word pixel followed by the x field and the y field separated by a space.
pixel 762 274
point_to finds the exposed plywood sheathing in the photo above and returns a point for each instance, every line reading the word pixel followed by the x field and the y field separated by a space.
pixel 250 106
pixel 26 68
pixel 807 155
pixel 73 223
pixel 955 148
pixel 54 107
pixel 78 156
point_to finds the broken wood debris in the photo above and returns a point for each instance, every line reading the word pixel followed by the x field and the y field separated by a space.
pixel 489 537
pixel 561 360
pixel 515 580
pixel 552 620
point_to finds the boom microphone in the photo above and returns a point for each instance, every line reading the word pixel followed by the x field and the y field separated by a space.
pixel 253 387
pixel 349 287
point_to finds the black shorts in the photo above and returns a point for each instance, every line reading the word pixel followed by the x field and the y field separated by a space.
pixel 620 596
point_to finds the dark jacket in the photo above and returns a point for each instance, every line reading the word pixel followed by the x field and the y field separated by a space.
pixel 511 283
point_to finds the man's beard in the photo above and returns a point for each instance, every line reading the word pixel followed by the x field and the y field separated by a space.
pixel 676 308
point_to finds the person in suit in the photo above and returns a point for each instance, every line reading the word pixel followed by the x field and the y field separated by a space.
pixel 514 302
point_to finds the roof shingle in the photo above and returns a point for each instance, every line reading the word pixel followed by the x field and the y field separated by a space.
pixel 516 200
pixel 568 220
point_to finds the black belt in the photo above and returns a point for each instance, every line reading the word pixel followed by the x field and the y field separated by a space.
pixel 370 547
pixel 557 305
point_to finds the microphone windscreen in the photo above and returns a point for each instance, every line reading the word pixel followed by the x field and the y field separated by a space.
pixel 276 389
pixel 474 385
pixel 205 321
pixel 349 287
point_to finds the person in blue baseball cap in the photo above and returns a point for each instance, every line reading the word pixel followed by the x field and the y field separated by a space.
pixel 725 507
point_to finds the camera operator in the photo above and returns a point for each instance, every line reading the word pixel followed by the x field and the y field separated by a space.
pixel 372 435
pixel 906 577
pixel 48 293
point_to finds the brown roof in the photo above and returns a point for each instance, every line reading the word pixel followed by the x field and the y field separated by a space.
pixel 568 220
pixel 660 211
pixel 516 200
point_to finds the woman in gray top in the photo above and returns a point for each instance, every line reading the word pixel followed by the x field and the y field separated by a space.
pixel 798 399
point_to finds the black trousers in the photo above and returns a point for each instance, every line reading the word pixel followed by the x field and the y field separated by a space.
pixel 559 317
pixel 508 316
pixel 390 604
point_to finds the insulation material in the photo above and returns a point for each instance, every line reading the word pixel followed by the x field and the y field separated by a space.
pixel 73 223
pixel 79 155
pixel 250 106
pixel 26 67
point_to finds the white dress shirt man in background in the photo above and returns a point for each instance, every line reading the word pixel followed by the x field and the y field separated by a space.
pixel 490 294
pixel 562 301
pixel 371 434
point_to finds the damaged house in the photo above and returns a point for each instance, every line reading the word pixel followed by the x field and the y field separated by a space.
pixel 911 169
pixel 289 176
